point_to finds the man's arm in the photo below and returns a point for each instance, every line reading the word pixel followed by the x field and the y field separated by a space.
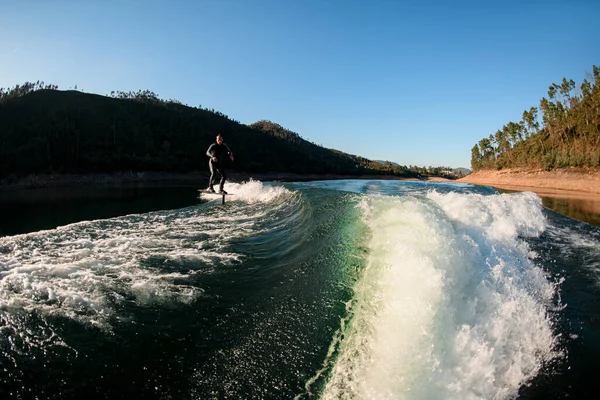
pixel 210 150
pixel 229 152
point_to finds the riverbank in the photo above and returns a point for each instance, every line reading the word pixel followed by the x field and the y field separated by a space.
pixel 575 180
pixel 193 178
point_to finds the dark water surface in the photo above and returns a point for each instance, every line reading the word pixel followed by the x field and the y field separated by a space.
pixel 336 289
pixel 30 210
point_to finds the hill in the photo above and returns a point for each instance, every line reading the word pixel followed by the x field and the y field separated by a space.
pixel 384 162
pixel 50 131
pixel 461 171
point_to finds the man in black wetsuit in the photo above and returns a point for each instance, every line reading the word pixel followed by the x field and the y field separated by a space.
pixel 216 151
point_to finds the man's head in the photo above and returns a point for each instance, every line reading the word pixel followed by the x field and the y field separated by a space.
pixel 219 138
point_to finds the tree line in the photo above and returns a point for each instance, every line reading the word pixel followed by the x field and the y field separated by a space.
pixel 45 130
pixel 563 132
pixel 24 89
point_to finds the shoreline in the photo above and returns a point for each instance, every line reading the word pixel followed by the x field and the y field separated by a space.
pixel 568 182
pixel 572 193
pixel 36 181
pixel 565 182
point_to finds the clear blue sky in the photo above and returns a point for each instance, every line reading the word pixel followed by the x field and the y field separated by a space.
pixel 415 82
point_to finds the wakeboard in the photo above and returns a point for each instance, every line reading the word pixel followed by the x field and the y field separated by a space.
pixel 214 193
pixel 204 191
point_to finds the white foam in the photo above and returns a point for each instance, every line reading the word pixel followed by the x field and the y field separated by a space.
pixel 83 271
pixel 256 192
pixel 449 306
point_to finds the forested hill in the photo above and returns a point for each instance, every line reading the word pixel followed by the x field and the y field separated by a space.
pixel 563 132
pixel 46 130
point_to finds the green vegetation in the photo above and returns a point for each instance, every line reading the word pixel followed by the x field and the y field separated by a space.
pixel 568 135
pixel 44 130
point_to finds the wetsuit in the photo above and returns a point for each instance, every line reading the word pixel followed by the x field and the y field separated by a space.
pixel 217 150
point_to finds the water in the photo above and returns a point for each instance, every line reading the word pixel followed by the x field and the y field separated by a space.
pixel 332 290
pixel 45 208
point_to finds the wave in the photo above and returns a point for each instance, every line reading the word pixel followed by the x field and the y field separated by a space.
pixel 435 292
pixel 451 303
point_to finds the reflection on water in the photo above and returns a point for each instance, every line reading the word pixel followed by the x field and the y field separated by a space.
pixel 31 210
pixel 579 209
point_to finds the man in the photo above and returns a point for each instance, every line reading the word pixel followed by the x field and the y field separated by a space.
pixel 216 151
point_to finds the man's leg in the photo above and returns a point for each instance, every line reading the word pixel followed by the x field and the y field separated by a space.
pixel 211 180
pixel 221 171
pixel 223 178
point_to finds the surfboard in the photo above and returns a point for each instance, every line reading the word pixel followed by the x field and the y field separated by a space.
pixel 204 191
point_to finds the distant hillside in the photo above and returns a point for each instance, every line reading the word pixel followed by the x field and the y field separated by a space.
pixel 44 130
pixel 73 132
pixel 391 162
pixel 462 171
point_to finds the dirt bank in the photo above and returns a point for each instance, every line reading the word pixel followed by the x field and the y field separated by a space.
pixel 586 180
